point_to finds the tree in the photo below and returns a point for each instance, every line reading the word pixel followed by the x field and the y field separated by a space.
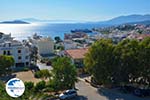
pixel 99 61
pixel 60 47
pixel 58 39
pixel 144 58
pixel 64 73
pixel 34 54
pixel 122 63
pixel 29 86
pixel 127 62
pixel 5 64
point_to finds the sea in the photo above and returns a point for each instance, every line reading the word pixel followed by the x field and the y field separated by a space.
pixel 23 31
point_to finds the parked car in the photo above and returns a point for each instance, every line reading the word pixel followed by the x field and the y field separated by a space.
pixel 142 92
pixel 68 94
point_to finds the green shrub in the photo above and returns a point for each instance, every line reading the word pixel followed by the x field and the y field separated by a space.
pixel 26 69
pixel 43 74
pixel 29 85
pixel 40 86
pixel 48 89
pixel 38 74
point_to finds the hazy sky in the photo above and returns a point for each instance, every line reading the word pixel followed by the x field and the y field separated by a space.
pixel 86 10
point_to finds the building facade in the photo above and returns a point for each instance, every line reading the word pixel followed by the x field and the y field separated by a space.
pixel 45 45
pixel 77 58
pixel 14 48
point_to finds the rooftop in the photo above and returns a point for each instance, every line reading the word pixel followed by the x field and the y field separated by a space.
pixel 77 53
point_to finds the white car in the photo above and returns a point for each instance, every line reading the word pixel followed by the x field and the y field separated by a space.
pixel 68 94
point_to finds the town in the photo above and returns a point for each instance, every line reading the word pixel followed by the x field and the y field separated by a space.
pixel 86 60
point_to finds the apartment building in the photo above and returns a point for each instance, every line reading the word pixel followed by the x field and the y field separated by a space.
pixel 14 48
pixel 45 45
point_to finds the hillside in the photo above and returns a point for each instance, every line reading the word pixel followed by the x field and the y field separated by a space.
pixel 14 22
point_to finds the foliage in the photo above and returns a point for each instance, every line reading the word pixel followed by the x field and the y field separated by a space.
pixel 38 74
pixel 5 64
pixel 122 63
pixel 127 62
pixel 40 86
pixel 43 74
pixel 34 54
pixel 60 48
pixel 64 74
pixel 3 94
pixel 58 39
pixel 47 61
pixel 29 85
pixel 144 56
pixel 99 61
pixel 31 92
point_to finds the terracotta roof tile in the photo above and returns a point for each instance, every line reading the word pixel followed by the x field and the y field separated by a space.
pixel 77 53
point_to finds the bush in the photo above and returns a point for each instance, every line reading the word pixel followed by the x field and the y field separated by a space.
pixel 40 86
pixel 52 85
pixel 48 89
pixel 43 74
pixel 26 69
pixel 29 85
pixel 38 74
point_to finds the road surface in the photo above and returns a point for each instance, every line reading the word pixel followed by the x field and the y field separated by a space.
pixel 87 92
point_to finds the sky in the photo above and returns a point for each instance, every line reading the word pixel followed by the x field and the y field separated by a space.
pixel 81 10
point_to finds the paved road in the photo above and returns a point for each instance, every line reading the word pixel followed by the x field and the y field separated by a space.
pixel 87 92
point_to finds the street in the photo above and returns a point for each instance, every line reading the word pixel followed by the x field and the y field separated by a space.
pixel 87 92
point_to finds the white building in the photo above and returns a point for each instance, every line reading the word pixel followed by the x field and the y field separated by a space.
pixel 16 49
pixel 45 45
pixel 69 44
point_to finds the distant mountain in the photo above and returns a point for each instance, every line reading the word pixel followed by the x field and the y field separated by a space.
pixel 147 22
pixel 127 19
pixel 115 21
pixel 14 22
pixel 33 20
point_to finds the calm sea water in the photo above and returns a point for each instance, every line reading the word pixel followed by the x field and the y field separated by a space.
pixel 22 31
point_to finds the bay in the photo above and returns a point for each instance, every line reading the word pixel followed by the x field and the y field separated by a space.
pixel 22 31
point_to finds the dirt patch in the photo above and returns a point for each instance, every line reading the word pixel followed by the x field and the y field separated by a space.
pixel 27 76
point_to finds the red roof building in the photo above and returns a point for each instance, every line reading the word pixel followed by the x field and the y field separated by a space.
pixel 77 55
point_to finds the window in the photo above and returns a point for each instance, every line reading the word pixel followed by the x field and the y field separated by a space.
pixel 27 63
pixel 19 57
pixel 19 51
pixel 4 53
pixel 8 53
pixel 9 44
pixel 26 57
